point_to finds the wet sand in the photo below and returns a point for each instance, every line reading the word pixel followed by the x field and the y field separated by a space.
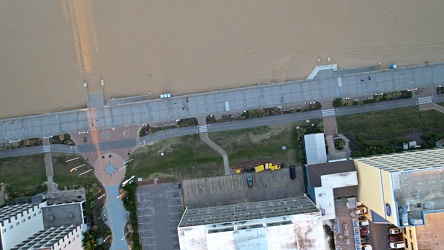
pixel 49 48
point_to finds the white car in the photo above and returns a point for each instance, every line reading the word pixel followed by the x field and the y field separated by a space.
pixel 163 96
pixel 394 230
pixel 396 245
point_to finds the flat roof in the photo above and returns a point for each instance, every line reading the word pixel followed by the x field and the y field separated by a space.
pixel 62 215
pixel 422 191
pixel 247 211
pixel 315 148
pixel 317 170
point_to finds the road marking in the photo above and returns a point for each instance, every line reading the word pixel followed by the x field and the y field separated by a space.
pixel 425 100
pixel 328 112
pixel 197 188
pixel 189 186
pixel 203 128
pixel 47 149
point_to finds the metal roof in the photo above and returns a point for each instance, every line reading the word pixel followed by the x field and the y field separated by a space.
pixel 247 211
pixel 315 148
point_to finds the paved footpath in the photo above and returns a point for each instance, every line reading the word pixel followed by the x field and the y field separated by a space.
pixel 203 132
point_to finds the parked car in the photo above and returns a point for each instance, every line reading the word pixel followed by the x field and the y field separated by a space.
pixel 365 239
pixel 364 232
pixel 292 172
pixel 362 218
pixel 250 179
pixel 397 245
pixel 396 237
pixel 366 247
pixel 394 230
pixel 361 210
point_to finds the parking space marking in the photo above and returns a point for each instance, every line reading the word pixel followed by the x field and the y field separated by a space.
pixel 218 189
pixel 232 184
pixel 225 183
pixel 197 187
pixel 203 184
pixel 189 186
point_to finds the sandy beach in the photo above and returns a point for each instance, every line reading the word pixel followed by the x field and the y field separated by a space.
pixel 49 48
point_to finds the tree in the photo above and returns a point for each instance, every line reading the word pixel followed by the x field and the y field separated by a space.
pixel 89 240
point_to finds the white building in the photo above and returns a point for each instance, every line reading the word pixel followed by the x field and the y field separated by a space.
pixel 331 180
pixel 19 222
pixel 42 226
pixel 62 238
pixel 315 150
pixel 292 223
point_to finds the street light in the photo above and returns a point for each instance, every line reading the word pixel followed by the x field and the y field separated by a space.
pixel 106 238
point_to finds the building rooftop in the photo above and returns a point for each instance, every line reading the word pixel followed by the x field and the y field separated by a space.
pixel 11 211
pixel 315 171
pixel 407 161
pixel 62 215
pixel 247 211
pixel 44 239
pixel 315 148
pixel 419 192
pixel 340 175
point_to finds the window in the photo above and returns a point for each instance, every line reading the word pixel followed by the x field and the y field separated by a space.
pixel 40 212
pixel 29 217
pixel 33 215
pixel 11 226
pixel 23 220
pixel 17 223
pixel 410 233
pixel 4 230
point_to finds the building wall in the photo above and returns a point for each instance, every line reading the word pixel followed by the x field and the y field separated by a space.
pixel 20 227
pixel 72 241
pixel 370 187
pixel 389 198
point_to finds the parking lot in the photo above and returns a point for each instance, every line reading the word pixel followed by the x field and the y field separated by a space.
pixel 159 210
pixel 231 189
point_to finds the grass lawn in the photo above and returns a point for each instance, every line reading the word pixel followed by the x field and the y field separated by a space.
pixel 441 103
pixel 184 157
pixel 23 173
pixel 62 175
pixel 389 123
pixel 260 143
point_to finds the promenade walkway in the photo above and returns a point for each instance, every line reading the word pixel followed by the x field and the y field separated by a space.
pixel 324 86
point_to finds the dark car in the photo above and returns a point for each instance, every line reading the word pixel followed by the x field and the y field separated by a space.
pixel 292 172
pixel 396 237
pixel 250 179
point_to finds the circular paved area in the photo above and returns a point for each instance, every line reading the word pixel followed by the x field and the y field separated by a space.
pixel 108 168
